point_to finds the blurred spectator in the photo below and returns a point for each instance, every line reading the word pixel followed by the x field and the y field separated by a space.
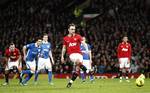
pixel 23 20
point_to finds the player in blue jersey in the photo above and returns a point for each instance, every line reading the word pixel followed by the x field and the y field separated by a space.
pixel 87 61
pixel 30 52
pixel 45 59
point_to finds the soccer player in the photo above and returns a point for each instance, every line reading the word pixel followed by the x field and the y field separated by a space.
pixel 45 59
pixel 87 61
pixel 124 56
pixel 71 44
pixel 13 62
pixel 30 52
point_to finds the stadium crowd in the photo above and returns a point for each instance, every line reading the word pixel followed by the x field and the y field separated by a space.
pixel 23 20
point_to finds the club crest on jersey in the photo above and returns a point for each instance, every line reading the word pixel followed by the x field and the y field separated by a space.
pixel 72 44
pixel 75 39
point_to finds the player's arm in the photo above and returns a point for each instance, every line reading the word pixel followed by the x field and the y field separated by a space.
pixel 118 52
pixel 20 61
pixel 51 57
pixel 63 53
pixel 90 55
pixel 6 58
pixel 129 56
pixel 24 52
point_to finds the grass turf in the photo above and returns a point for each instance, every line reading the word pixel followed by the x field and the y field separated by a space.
pixel 100 86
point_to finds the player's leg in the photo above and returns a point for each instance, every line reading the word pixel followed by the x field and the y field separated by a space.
pixel 48 66
pixel 73 77
pixel 40 65
pixel 7 71
pixel 36 76
pixel 31 69
pixel 17 67
pixel 121 66
pixel 77 59
pixel 90 70
pixel 19 72
pixel 127 68
pixel 91 74
pixel 82 75
pixel 6 77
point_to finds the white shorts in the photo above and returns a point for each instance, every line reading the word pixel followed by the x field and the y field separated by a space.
pixel 124 63
pixel 87 64
pixel 31 64
pixel 44 64
pixel 11 64
pixel 76 57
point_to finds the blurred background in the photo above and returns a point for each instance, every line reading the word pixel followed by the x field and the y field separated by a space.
pixel 102 22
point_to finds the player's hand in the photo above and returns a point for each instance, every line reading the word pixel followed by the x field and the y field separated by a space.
pixel 19 68
pixel 62 60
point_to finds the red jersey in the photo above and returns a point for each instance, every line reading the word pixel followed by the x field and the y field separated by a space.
pixel 12 55
pixel 72 43
pixel 124 50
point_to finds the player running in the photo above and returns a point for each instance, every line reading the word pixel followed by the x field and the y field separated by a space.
pixel 30 52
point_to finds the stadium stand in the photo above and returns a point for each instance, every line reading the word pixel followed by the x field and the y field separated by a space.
pixel 23 20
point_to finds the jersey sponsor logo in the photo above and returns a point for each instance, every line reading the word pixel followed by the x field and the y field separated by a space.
pixel 45 50
pixel 34 52
pixel 72 44
pixel 124 49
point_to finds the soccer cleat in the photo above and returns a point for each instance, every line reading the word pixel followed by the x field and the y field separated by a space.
pixel 92 81
pixel 23 84
pixel 127 80
pixel 83 81
pixel 51 83
pixel 120 80
pixel 69 85
pixel 5 84
pixel 35 83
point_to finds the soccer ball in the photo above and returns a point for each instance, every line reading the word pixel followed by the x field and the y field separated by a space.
pixel 140 81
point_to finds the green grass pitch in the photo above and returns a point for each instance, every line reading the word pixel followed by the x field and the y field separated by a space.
pixel 100 86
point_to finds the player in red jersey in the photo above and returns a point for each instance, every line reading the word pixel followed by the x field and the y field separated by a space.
pixel 124 56
pixel 71 44
pixel 13 61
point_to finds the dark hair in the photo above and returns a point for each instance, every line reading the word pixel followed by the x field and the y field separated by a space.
pixel 38 38
pixel 45 34
pixel 11 43
pixel 72 24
